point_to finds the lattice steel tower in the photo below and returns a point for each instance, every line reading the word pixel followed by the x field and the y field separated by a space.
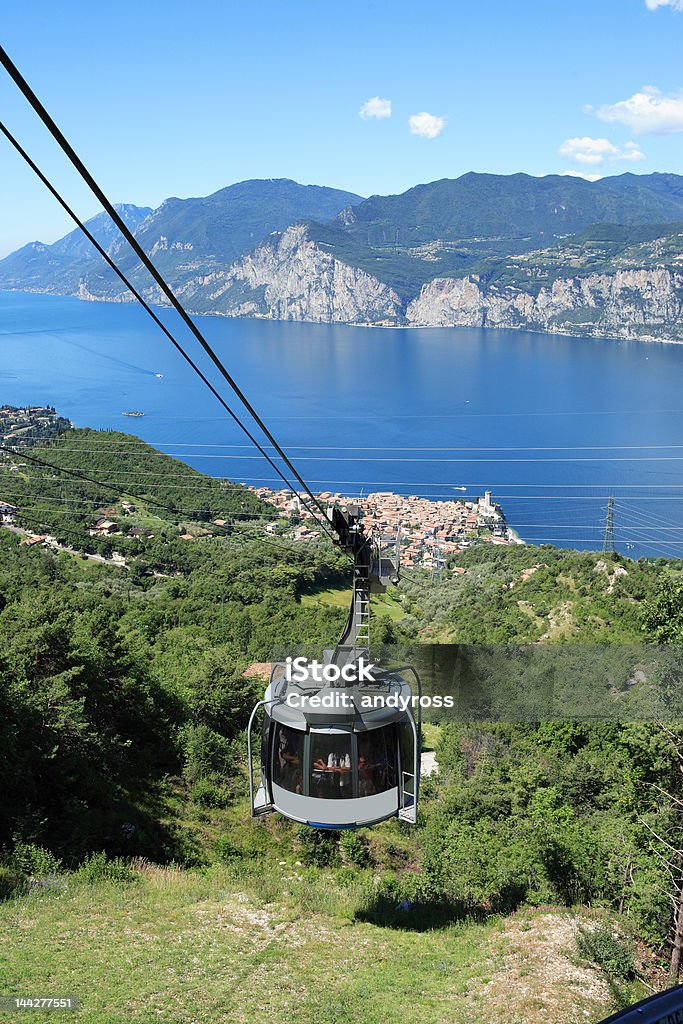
pixel 608 539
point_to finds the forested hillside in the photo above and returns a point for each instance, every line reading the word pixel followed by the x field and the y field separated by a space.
pixel 111 682
pixel 64 486
pixel 526 594
pixel 123 704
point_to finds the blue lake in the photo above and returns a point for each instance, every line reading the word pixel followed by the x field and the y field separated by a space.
pixel 552 425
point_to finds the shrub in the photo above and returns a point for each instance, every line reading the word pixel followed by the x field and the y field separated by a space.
pixel 205 752
pixel 210 793
pixel 11 883
pixel 319 846
pixel 31 860
pixel 354 849
pixel 99 868
pixel 609 950
pixel 226 852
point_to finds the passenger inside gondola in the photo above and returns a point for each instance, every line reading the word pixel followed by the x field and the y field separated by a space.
pixel 376 761
pixel 365 783
pixel 288 760
pixel 331 775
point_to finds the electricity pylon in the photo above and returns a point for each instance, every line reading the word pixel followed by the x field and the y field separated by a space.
pixel 608 539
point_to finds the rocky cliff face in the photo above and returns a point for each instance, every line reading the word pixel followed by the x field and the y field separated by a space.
pixel 289 277
pixel 626 304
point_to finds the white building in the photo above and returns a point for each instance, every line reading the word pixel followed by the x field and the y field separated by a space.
pixel 7 512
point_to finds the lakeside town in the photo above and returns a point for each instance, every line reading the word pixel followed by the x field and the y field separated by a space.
pixel 425 532
pixel 23 427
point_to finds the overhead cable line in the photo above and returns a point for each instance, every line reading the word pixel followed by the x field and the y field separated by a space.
pixel 183 514
pixel 538 524
pixel 259 480
pixel 139 481
pixel 66 147
pixel 136 294
pixel 639 515
pixel 76 474
pixel 446 486
pixel 141 443
pixel 180 515
pixel 133 290
pixel 394 458
pixel 94 504
pixel 460 462
pixel 354 417
pixel 91 505
pixel 488 486
pixel 643 533
pixel 595 543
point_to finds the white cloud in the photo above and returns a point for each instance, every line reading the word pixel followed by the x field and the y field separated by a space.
pixel 587 150
pixel 647 112
pixel 596 151
pixel 652 5
pixel 632 151
pixel 426 125
pixel 375 107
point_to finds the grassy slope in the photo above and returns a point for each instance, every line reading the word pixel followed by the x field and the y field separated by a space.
pixel 386 605
pixel 217 947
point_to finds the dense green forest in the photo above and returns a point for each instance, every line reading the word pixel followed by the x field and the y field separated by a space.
pixel 123 704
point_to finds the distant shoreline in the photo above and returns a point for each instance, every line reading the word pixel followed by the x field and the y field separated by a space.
pixel 519 328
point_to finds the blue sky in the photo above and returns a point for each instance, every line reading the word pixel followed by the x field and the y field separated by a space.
pixel 169 98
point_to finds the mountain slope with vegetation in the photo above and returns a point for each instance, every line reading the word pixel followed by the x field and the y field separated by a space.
pixel 92 470
pixel 123 705
pixel 557 254
pixel 446 227
pixel 60 267
pixel 488 206
pixel 608 281
pixel 183 236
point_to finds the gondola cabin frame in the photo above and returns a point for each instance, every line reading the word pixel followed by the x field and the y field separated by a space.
pixel 344 768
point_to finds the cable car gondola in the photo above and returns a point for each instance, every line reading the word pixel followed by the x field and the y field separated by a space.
pixel 345 753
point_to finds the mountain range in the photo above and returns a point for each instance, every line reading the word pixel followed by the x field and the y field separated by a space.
pixel 557 253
